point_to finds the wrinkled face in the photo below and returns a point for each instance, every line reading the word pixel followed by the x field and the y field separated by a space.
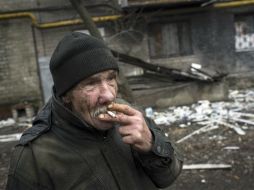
pixel 93 94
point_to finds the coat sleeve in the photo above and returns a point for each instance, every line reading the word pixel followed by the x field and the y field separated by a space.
pixel 163 163
pixel 22 173
pixel 15 183
pixel 15 180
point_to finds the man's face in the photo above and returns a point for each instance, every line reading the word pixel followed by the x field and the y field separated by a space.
pixel 92 94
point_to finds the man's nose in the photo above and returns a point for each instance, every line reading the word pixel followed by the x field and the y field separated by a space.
pixel 107 93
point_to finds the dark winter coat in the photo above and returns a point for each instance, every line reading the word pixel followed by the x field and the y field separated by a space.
pixel 63 152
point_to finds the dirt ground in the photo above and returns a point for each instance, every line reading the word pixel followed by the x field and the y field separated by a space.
pixel 200 149
pixel 209 148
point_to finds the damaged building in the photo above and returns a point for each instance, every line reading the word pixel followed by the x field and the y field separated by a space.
pixel 163 39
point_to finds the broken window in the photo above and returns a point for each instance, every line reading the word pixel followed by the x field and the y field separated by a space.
pixel 244 32
pixel 169 39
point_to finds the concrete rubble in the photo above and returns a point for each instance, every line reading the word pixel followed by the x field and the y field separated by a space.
pixel 7 123
pixel 235 114
pixel 22 123
pixel 10 137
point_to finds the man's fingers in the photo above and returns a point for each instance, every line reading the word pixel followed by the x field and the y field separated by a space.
pixel 123 108
pixel 133 134
pixel 124 131
pixel 129 139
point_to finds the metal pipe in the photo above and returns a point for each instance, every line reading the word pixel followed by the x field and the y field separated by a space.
pixel 57 23
pixel 233 4
pixel 38 66
pixel 19 15
pixel 77 21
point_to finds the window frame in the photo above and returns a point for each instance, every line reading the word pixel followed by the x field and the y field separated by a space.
pixel 180 51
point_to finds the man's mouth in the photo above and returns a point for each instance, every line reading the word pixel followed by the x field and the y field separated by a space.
pixel 100 110
pixel 103 110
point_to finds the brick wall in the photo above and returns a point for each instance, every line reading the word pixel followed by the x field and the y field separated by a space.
pixel 7 5
pixel 47 39
pixel 19 73
pixel 19 81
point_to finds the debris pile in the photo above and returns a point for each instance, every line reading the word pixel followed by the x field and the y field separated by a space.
pixel 235 114
pixel 194 72
pixel 10 137
pixel 7 123
pixel 19 125
pixel 22 122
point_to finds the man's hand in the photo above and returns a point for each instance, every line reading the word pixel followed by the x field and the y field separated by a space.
pixel 133 128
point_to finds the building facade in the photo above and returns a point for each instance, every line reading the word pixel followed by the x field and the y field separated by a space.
pixel 175 34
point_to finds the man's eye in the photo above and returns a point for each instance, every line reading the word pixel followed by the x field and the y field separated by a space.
pixel 88 84
pixel 91 83
pixel 113 77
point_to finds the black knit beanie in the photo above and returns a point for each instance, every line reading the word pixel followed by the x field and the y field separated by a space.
pixel 76 57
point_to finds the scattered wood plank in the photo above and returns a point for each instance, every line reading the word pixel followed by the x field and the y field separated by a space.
pixel 202 129
pixel 237 129
pixel 206 166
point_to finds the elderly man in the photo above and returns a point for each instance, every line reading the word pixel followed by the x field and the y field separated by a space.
pixel 87 138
